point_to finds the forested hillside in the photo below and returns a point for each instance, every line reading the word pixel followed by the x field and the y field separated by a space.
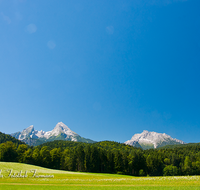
pixel 4 138
pixel 179 146
pixel 107 145
pixel 106 156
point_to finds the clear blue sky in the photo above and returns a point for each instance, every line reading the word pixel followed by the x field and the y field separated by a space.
pixel 107 69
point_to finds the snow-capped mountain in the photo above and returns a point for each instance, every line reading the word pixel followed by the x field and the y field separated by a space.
pixel 60 132
pixel 148 140
pixel 144 140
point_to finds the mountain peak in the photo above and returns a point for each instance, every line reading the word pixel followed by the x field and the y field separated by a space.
pixel 148 139
pixel 62 125
pixel 60 132
pixel 29 129
pixel 26 132
pixel 61 128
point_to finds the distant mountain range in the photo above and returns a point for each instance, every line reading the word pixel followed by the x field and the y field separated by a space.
pixel 147 140
pixel 60 132
pixel 144 140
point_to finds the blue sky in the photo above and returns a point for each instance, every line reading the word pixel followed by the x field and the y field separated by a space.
pixel 107 69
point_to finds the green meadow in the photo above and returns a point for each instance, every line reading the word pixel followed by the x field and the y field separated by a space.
pixel 43 180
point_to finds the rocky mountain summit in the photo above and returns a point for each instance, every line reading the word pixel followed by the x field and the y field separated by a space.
pixel 146 140
pixel 60 132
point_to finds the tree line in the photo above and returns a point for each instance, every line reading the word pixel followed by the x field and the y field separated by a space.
pixel 106 157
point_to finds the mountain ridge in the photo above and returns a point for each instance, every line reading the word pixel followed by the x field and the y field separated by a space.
pixel 147 140
pixel 59 132
pixel 144 140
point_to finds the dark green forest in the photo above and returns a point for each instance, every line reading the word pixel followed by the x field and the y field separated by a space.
pixel 105 156
pixel 5 138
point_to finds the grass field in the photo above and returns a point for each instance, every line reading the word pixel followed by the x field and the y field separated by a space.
pixel 80 181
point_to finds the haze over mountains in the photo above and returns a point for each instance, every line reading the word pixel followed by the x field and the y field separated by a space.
pixel 145 140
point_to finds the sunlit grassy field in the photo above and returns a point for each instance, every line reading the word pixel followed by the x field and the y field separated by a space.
pixel 79 180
